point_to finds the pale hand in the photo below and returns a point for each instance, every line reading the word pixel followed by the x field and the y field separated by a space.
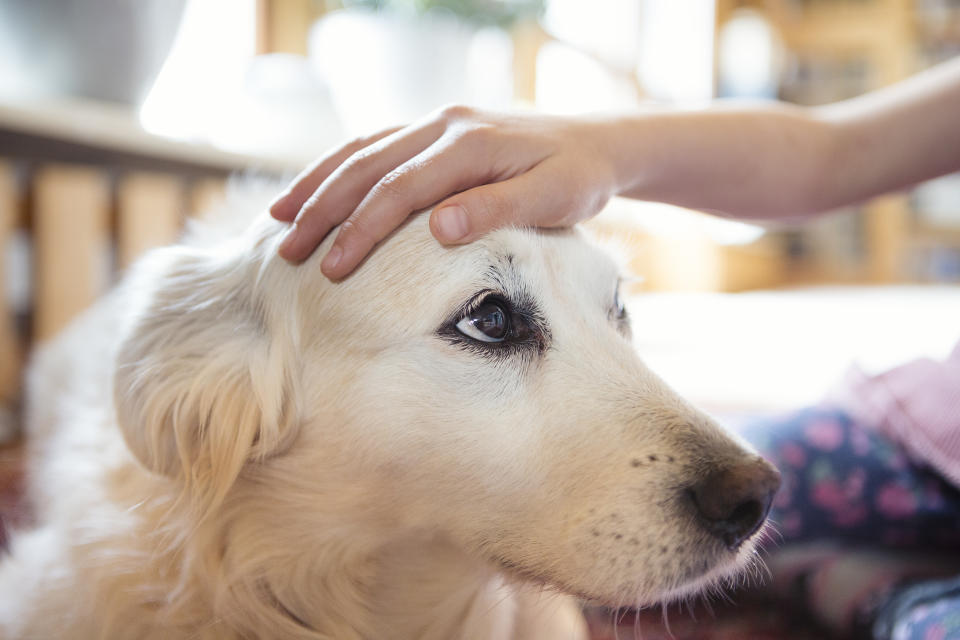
pixel 483 170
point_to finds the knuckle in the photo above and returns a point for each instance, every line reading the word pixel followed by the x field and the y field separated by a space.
pixel 311 206
pixel 475 136
pixel 359 162
pixel 454 112
pixel 353 229
pixel 392 186
pixel 356 144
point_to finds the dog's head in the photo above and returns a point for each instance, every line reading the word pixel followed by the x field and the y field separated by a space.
pixel 487 395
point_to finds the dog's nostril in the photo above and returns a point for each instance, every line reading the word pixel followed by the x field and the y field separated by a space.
pixel 733 502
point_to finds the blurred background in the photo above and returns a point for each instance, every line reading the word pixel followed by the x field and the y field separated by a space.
pixel 122 119
pixel 119 119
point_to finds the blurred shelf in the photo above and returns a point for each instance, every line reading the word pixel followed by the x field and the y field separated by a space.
pixel 86 131
pixel 839 28
pixel 837 49
pixel 928 234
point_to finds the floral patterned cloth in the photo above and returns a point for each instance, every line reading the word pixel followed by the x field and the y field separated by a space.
pixel 937 620
pixel 927 611
pixel 846 481
pixel 859 520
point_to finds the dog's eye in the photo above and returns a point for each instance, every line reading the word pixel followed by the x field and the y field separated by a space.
pixel 493 324
pixel 487 323
pixel 619 311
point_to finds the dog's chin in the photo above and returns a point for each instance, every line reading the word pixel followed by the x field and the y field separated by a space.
pixel 723 575
pixel 701 577
pixel 525 575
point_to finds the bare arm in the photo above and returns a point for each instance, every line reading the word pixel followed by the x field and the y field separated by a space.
pixel 897 136
pixel 760 160
pixel 487 170
pixel 773 160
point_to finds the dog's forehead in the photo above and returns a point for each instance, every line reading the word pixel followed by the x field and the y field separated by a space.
pixel 547 264
pixel 540 257
pixel 539 266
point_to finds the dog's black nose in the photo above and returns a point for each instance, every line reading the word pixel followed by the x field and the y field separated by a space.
pixel 733 502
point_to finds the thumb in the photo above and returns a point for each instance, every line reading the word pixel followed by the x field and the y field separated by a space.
pixel 522 201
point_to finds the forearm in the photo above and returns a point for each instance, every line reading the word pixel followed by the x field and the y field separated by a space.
pixel 741 161
pixel 775 160
pixel 896 137
pixel 483 170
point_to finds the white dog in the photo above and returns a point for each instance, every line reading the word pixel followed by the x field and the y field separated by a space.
pixel 441 446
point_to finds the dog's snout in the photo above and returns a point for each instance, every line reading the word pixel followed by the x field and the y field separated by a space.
pixel 733 503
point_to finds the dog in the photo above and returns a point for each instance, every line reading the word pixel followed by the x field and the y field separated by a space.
pixel 450 443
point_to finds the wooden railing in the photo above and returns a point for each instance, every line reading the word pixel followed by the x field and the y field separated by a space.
pixel 71 230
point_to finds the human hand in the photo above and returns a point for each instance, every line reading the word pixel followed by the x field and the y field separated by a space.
pixel 502 169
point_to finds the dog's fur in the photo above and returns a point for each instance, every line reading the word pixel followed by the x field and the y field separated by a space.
pixel 229 446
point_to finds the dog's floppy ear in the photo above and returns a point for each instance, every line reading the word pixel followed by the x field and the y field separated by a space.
pixel 201 384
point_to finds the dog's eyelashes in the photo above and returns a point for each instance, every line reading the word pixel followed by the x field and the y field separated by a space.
pixel 489 322
pixel 618 313
pixel 619 310
pixel 494 323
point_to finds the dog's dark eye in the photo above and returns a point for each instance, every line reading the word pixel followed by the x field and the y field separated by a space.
pixel 493 324
pixel 619 315
pixel 487 323
pixel 619 311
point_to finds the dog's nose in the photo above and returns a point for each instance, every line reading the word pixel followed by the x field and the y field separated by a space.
pixel 733 502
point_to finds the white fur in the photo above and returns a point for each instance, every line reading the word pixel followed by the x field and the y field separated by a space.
pixel 232 447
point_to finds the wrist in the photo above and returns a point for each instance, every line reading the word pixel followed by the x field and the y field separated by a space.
pixel 611 142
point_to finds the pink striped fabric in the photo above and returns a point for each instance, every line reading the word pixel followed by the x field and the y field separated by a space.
pixel 916 404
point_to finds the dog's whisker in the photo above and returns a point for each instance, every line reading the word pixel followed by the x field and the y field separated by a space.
pixel 664 609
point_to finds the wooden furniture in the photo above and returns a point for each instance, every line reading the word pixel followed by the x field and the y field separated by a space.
pixel 881 35
pixel 283 25
pixel 10 346
pixel 84 190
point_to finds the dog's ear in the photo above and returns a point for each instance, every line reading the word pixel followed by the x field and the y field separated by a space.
pixel 201 384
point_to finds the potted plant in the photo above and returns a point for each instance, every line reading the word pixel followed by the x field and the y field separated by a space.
pixel 390 61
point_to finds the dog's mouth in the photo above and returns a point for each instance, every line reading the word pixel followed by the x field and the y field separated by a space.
pixel 692 541
pixel 690 576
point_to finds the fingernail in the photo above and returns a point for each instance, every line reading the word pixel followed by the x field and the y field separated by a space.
pixel 332 259
pixel 288 238
pixel 452 223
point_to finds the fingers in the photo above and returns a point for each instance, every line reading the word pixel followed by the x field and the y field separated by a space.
pixel 414 185
pixel 371 186
pixel 530 199
pixel 340 193
pixel 286 206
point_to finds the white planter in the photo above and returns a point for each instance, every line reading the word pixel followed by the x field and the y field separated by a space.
pixel 103 49
pixel 387 68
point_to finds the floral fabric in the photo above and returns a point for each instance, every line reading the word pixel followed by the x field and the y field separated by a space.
pixel 845 481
